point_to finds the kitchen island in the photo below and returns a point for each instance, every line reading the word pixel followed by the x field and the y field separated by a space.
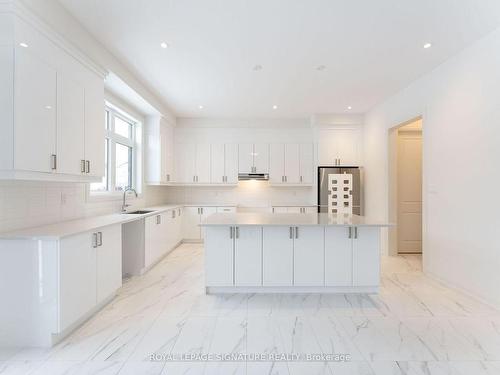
pixel 292 253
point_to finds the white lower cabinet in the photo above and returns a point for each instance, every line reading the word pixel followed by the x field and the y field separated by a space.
pixel 247 256
pixel 161 234
pixel 77 278
pixel 90 271
pixel 109 261
pixel 308 250
pixel 366 256
pixel 194 216
pixel 277 253
pixel 219 256
pixel 338 256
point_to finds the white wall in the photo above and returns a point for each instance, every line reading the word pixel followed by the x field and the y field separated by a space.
pixel 251 193
pixel 459 102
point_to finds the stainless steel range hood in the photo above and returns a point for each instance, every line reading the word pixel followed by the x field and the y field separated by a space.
pixel 253 176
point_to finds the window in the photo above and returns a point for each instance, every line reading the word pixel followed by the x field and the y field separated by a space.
pixel 120 148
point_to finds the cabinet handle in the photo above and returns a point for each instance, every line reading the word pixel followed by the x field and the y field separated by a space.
pixel 94 240
pixel 82 166
pixel 350 232
pixel 168 177
pixel 291 232
pixel 87 166
pixel 99 238
pixel 300 178
pixel 356 232
pixel 173 214
pixel 237 232
pixel 202 210
pixel 179 212
pixel 286 178
pixel 231 232
pixel 296 232
pixel 53 161
pixel 158 219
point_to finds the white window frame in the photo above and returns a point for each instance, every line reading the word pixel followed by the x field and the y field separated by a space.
pixel 112 138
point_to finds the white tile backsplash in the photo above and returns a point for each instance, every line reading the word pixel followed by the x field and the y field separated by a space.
pixel 25 204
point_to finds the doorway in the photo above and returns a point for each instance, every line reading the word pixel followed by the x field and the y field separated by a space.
pixel 405 192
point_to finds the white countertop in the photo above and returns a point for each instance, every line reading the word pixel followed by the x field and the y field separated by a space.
pixel 71 227
pixel 289 219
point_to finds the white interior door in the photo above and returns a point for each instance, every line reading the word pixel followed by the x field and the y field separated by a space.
pixel 70 126
pixel 366 257
pixel 338 256
pixel 231 162
pixel 219 257
pixel 277 256
pixel 218 163
pixel 248 256
pixel 261 157
pixel 409 193
pixel 35 103
pixel 276 163
pixel 203 163
pixel 309 251
pixel 292 163
pixel 306 163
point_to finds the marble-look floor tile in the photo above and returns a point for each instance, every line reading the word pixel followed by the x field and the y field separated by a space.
pixel 78 368
pixel 230 336
pixel 309 368
pixel 297 335
pixel 142 368
pixel 232 305
pixel 184 368
pixel 268 368
pixel 263 336
pixel 13 367
pixel 355 305
pixel 196 336
pixel 225 368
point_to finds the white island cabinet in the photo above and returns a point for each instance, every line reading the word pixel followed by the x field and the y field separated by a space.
pixel 289 253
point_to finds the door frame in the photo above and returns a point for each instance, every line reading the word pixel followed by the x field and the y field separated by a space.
pixel 393 185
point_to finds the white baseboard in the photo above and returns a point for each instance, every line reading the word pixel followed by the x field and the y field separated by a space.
pixel 291 289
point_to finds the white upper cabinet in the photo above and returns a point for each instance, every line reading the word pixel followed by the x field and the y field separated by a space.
pixel 224 161
pixel 253 158
pixel 291 163
pixel 52 108
pixel 35 103
pixel 339 146
pixel 159 151
pixel 70 126
pixel 192 163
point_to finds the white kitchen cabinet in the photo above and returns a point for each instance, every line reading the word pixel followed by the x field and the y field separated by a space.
pixel 224 163
pixel 70 126
pixel 109 261
pixel 277 254
pixel 308 252
pixel 366 256
pixel 159 151
pixel 35 103
pixel 193 217
pixel 339 146
pixel 247 256
pixel 290 163
pixel 226 209
pixel 94 128
pixel 306 163
pixel 52 108
pixel 192 163
pixel 294 209
pixel 154 238
pixel 219 256
pixel 338 256
pixel 204 213
pixel 276 163
pixel 77 278
pixel 253 158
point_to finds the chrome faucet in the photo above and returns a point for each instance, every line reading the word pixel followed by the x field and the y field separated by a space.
pixel 124 206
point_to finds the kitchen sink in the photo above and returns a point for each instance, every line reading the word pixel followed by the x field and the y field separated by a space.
pixel 140 212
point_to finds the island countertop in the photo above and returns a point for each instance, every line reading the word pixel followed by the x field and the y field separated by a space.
pixel 292 219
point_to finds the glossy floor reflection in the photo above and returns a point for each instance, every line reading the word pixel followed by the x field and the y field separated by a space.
pixel 414 326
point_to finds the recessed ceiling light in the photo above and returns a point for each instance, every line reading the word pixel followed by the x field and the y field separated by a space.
pixel 163 45
pixel 257 67
pixel 22 44
pixel 320 68
pixel 275 106
pixel 427 45
pixel 200 107
pixel 349 107
pixel 48 107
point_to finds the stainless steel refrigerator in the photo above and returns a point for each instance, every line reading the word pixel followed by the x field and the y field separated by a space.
pixel 340 190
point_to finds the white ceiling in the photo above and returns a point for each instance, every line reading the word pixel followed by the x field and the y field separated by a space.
pixel 371 49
